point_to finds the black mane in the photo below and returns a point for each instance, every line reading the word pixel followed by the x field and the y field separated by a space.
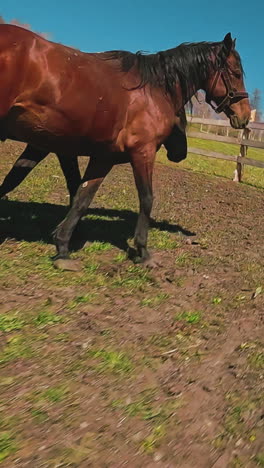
pixel 188 64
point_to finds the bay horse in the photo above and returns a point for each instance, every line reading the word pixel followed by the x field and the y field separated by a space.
pixel 114 106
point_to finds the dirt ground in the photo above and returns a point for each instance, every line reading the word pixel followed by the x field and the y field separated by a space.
pixel 118 366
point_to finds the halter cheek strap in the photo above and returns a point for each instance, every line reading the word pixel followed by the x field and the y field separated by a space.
pixel 231 93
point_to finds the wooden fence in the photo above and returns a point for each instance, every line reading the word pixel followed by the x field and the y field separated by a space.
pixel 242 140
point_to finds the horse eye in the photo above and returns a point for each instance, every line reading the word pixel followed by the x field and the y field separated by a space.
pixel 237 74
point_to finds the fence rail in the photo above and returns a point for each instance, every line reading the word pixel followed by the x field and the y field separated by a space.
pixel 242 140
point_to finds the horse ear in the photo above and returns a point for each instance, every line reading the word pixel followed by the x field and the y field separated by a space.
pixel 228 43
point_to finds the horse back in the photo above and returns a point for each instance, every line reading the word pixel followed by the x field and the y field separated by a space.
pixel 57 89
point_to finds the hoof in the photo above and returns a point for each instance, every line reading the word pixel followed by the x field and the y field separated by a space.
pixel 151 264
pixel 67 264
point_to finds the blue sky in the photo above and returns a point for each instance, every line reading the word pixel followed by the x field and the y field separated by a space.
pixel 149 25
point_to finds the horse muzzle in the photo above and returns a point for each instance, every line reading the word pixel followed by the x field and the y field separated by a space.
pixel 238 123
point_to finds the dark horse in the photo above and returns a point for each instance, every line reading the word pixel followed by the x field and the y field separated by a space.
pixel 115 107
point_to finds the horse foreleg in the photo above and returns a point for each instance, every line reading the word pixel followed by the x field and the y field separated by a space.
pixel 94 175
pixel 71 171
pixel 22 167
pixel 142 164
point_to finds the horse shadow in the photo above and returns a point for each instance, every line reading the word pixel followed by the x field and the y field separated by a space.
pixel 32 222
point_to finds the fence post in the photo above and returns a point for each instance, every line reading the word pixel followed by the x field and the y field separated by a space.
pixel 243 152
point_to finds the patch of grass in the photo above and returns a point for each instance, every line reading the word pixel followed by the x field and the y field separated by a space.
pixel 62 337
pixel 112 361
pixel 7 445
pixel 139 408
pixel 237 462
pixel 240 298
pixel 255 354
pixel 256 360
pixel 106 332
pixel 135 277
pixel 147 407
pixel 55 394
pixel 6 381
pixel 186 259
pixel 154 301
pixel 182 259
pixel 39 399
pixel 142 407
pixel 259 459
pixel 16 347
pixel 234 420
pixel 10 322
pixel 240 407
pixel 150 443
pixel 97 246
pixel 193 317
pixel 46 317
pixel 120 257
pixel 179 281
pixel 161 341
pixel 39 415
pixel 86 299
pixel 162 240
pixel 216 300
pixel 91 268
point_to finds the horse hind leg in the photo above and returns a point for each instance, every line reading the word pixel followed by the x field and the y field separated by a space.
pixel 94 175
pixel 22 167
pixel 71 172
pixel 3 134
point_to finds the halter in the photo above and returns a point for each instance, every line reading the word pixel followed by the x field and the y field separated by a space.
pixel 231 95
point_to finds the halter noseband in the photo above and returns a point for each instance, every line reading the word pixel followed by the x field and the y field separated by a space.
pixel 231 95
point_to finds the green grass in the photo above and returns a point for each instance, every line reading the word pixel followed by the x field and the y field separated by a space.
pixel 256 360
pixel 120 257
pixel 142 407
pixel 255 355
pixel 162 240
pixel 39 415
pixel 216 300
pixel 111 361
pixel 185 259
pixel 16 347
pixel 7 445
pixel 259 459
pixel 10 322
pixel 148 407
pixel 85 299
pixel 160 340
pixel 240 406
pixel 46 317
pixel 134 277
pixel 150 443
pixel 189 317
pixel 154 301
pixel 55 394
pixel 97 246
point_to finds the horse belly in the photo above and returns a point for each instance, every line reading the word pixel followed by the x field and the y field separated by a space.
pixel 43 129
